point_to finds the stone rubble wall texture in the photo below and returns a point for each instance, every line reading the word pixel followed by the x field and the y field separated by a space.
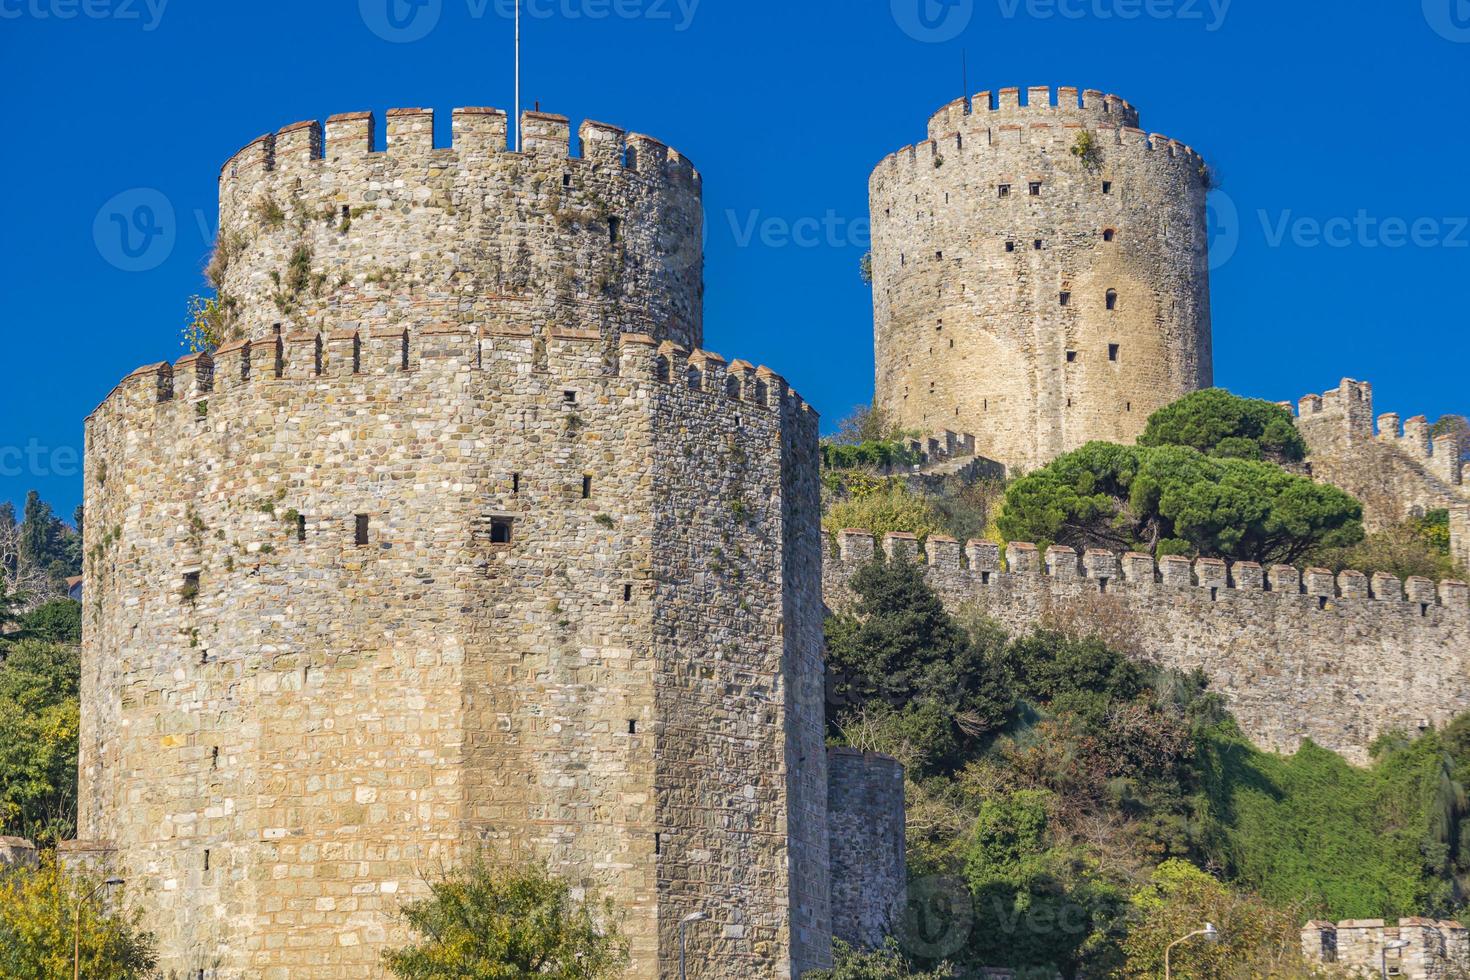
pixel 1298 654
pixel 1395 468
pixel 1436 949
pixel 867 823
pixel 285 731
pixel 329 232
pixel 973 337
pixel 17 852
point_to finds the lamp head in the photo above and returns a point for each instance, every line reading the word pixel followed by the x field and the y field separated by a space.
pixel 694 917
pixel 110 882
pixel 1211 934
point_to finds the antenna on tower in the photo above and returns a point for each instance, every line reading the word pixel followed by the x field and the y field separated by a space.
pixel 518 77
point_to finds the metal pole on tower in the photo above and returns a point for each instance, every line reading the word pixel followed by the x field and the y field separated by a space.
pixel 518 77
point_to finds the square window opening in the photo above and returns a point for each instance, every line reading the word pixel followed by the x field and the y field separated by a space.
pixel 1112 352
pixel 1071 357
pixel 1005 190
pixel 501 530
pixel 1035 188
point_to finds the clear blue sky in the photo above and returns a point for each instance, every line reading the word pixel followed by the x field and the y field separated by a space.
pixel 1311 112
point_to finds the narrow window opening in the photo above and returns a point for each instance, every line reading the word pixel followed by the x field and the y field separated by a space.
pixel 206 859
pixel 566 180
pixel 1109 234
pixel 1035 188
pixel 951 343
pixel 189 591
pixel 1424 609
pixel 1128 407
pixel 658 843
pixel 276 329
pixel 346 217
pixel 1112 299
pixel 633 726
pixel 1071 357
pixel 214 757
pixel 1214 593
pixel 985 404
pixel 1066 299
pixel 902 259
pixel 939 327
pixel 1069 403
pixel 500 530
pixel 1112 352
pixel 1321 602
pixel 515 484
pixel 586 488
pixel 361 533
pixel 984 578
pixel 1005 190
pixel 1102 585
pixel 627 593
pixel 1010 246
pixel 1107 187
pixel 614 229
pixel 1036 245
pixel 300 527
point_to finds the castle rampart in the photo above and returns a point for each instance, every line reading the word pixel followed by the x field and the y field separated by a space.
pixel 1395 468
pixel 1299 654
pixel 319 227
pixel 1040 274
pixel 365 603
pixel 1415 949
pixel 867 825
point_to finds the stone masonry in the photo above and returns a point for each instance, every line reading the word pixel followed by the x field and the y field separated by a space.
pixel 1298 654
pixel 427 574
pixel 1415 949
pixel 1032 294
pixel 869 872
pixel 1397 470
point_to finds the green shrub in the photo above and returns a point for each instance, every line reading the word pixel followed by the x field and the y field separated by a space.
pixel 36 934
pixel 1217 423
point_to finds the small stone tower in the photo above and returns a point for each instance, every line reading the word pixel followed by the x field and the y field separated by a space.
pixel 456 549
pixel 1040 274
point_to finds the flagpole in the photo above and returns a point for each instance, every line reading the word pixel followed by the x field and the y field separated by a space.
pixel 518 76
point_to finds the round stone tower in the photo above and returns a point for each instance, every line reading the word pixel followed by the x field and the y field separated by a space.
pixel 322 235
pixel 365 601
pixel 1040 274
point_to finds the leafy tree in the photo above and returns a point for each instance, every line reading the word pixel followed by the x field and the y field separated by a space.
pixel 886 507
pixel 901 654
pixel 887 963
pixel 36 934
pixel 868 423
pixel 58 621
pixel 483 923
pixel 1256 938
pixel 1075 675
pixel 39 729
pixel 1418 546
pixel 1176 500
pixel 1217 423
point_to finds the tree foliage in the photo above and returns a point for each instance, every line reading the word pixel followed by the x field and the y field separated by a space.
pixel 1176 500
pixel 38 552
pixel 485 923
pixel 882 507
pixel 1417 546
pixel 1217 423
pixel 39 730
pixel 887 963
pixel 36 935
pixel 902 655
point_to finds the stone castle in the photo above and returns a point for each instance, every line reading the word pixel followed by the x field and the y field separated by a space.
pixel 459 544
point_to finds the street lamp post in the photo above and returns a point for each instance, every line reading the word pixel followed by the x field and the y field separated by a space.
pixel 76 926
pixel 1210 934
pixel 684 925
pixel 1383 954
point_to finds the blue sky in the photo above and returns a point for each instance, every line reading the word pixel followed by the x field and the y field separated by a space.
pixel 1339 130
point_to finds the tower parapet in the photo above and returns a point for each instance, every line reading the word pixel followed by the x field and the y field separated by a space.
pixel 319 228
pixel 1040 274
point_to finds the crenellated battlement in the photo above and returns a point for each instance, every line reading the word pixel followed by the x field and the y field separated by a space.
pixel 983 562
pixel 1347 411
pixel 350 354
pixel 318 226
pixel 1037 103
pixel 1298 653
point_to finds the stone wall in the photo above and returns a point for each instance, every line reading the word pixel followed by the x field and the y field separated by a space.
pixel 17 852
pixel 363 604
pixel 1415 949
pixel 1035 298
pixel 869 871
pixel 1395 469
pixel 336 232
pixel 1298 655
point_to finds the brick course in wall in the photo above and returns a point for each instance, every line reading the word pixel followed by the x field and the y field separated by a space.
pixel 1298 654
pixel 1034 298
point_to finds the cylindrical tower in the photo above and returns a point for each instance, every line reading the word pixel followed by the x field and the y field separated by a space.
pixel 322 235
pixel 365 602
pixel 1040 274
